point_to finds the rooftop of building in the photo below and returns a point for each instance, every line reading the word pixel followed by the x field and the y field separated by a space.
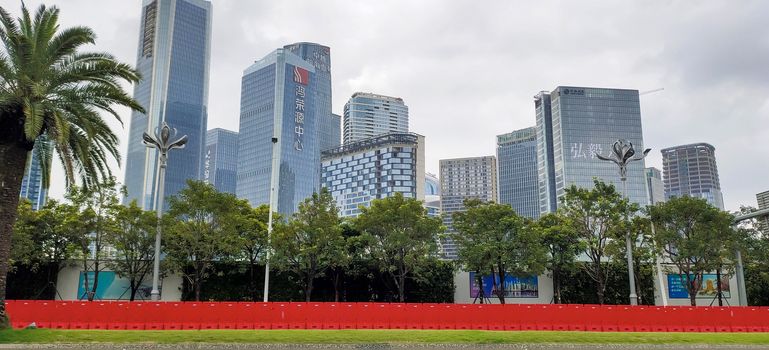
pixel 372 142
pixel 377 96
pixel 527 134
pixel 688 146
pixel 480 158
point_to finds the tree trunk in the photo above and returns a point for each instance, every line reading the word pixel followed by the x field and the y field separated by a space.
pixel 337 277
pixel 481 293
pixel 718 286
pixel 252 282
pixel 134 288
pixel 501 289
pixel 92 295
pixel 308 287
pixel 600 283
pixel 401 287
pixel 557 286
pixel 197 286
pixel 13 158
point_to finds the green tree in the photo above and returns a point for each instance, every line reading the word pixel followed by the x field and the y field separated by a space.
pixel 250 226
pixel 197 232
pixel 639 229
pixel 94 222
pixel 311 241
pixel 695 237
pixel 49 87
pixel 492 238
pixel 134 241
pixel 755 257
pixel 401 237
pixel 563 247
pixel 595 216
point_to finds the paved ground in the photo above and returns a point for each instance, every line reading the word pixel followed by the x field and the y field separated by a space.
pixel 367 346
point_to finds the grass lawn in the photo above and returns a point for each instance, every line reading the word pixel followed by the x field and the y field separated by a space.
pixel 373 336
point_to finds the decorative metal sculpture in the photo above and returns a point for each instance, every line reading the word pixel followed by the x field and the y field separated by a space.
pixel 161 141
pixel 622 154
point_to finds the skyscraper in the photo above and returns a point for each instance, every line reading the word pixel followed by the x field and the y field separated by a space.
pixel 691 170
pixel 584 122
pixel 173 57
pixel 329 124
pixel 221 160
pixel 358 172
pixel 432 195
pixel 517 170
pixel 464 178
pixel 367 115
pixel 277 106
pixel 763 203
pixel 655 186
pixel 32 187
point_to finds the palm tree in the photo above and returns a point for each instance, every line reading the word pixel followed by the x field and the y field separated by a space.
pixel 48 87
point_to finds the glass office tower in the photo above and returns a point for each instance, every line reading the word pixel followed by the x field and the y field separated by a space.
pixel 221 160
pixel 277 106
pixel 584 122
pixel 690 170
pixel 655 185
pixel 173 57
pixel 329 124
pixel 32 186
pixel 517 171
pixel 375 168
pixel 367 115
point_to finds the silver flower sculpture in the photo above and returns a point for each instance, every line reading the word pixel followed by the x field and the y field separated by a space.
pixel 622 154
pixel 162 141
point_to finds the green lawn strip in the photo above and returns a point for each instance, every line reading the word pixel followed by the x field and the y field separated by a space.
pixel 373 336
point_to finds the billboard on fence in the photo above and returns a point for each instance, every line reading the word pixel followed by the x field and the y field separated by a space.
pixel 707 289
pixel 514 286
pixel 111 287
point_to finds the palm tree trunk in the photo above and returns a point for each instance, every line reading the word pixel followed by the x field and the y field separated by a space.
pixel 13 158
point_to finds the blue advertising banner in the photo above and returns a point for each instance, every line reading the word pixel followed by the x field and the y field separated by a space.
pixel 707 289
pixel 514 286
pixel 111 287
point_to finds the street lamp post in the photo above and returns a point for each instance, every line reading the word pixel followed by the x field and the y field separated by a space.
pixel 622 154
pixel 162 141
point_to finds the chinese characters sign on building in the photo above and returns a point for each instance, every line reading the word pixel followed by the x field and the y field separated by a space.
pixel 301 77
pixel 588 151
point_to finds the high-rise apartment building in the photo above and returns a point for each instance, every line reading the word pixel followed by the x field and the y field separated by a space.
pixel 358 172
pixel 173 58
pixel 32 186
pixel 517 171
pixel 464 178
pixel 763 203
pixel 278 120
pixel 221 160
pixel 329 124
pixel 690 170
pixel 579 123
pixel 367 115
pixel 654 185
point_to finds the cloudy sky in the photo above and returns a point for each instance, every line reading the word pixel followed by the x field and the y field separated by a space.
pixel 468 71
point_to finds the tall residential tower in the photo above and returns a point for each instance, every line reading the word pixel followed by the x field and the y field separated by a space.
pixel 367 115
pixel 173 58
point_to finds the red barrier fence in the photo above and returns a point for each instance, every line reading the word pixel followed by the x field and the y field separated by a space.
pixel 276 315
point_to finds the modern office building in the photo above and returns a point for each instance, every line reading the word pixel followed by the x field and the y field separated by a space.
pixel 654 185
pixel 278 120
pixel 464 178
pixel 579 123
pixel 763 203
pixel 221 160
pixel 367 115
pixel 173 59
pixel 378 167
pixel 517 171
pixel 690 170
pixel 32 185
pixel 329 124
pixel 432 195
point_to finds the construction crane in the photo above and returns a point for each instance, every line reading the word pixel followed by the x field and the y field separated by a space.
pixel 650 91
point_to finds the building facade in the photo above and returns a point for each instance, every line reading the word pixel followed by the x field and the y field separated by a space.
pixel 32 185
pixel 655 185
pixel 278 122
pixel 221 160
pixel 329 124
pixel 690 170
pixel 763 203
pixel 432 195
pixel 517 171
pixel 584 122
pixel 173 59
pixel 464 178
pixel 374 168
pixel 367 115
